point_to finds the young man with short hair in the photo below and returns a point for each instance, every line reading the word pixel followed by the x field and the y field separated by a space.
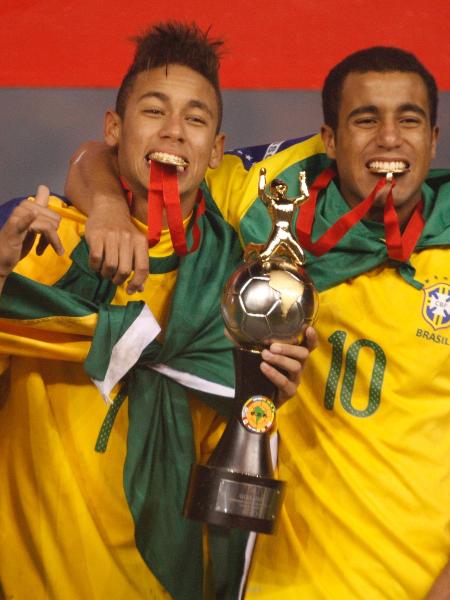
pixel 366 455
pixel 364 447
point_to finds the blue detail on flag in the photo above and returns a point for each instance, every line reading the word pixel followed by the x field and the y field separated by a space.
pixel 7 208
pixel 252 154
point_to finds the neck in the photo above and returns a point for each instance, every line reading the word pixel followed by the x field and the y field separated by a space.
pixel 403 208
pixel 376 214
pixel 138 209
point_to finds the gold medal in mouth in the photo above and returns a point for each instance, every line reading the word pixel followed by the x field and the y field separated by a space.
pixel 382 167
pixel 168 159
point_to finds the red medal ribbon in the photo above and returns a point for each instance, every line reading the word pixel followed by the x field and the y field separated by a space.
pixel 163 193
pixel 155 203
pixel 399 247
pixel 171 199
pixel 128 192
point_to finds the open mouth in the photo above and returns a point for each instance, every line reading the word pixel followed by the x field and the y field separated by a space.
pixel 168 159
pixel 382 167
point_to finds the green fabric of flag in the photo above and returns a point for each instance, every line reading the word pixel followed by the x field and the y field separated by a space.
pixel 160 445
pixel 23 298
pixel 160 439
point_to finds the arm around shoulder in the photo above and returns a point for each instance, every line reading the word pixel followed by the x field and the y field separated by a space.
pixel 116 247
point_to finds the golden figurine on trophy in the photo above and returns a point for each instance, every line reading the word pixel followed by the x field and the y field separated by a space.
pixel 281 210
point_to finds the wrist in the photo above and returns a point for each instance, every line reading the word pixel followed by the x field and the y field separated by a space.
pixel 111 201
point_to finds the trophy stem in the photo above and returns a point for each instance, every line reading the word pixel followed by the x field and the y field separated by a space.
pixel 229 452
pixel 236 487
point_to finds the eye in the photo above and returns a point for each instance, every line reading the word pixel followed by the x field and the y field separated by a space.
pixel 365 121
pixel 153 111
pixel 410 121
pixel 196 119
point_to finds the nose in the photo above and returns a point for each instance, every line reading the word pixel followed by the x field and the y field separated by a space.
pixel 172 127
pixel 389 134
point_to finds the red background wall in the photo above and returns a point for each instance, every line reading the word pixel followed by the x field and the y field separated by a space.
pixel 285 45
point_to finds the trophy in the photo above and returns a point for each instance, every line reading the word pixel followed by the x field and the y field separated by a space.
pixel 269 297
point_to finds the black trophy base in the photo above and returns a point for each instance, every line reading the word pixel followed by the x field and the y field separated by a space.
pixel 231 499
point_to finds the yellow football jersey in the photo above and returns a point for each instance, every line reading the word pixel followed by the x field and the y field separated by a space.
pixel 66 531
pixel 365 447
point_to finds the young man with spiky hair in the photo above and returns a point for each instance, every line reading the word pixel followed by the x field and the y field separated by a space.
pixel 365 447
pixel 76 523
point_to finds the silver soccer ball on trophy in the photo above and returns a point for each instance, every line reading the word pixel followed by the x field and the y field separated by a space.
pixel 268 300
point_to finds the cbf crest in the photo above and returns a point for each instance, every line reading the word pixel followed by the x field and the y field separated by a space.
pixel 436 305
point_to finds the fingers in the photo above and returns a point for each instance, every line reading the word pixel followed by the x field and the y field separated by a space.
pixel 42 195
pixel 19 232
pixel 36 218
pixel 20 220
pixel 46 222
pixel 141 266
pixel 283 363
pixel 95 243
pixel 311 340
pixel 115 253
pixel 124 256
pixel 283 368
pixel 111 252
pixel 49 235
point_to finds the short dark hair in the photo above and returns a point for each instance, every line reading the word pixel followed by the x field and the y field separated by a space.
pixel 174 43
pixel 381 59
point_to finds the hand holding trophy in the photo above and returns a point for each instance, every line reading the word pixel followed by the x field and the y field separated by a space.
pixel 270 297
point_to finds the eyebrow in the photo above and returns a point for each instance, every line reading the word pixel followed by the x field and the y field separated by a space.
pixel 372 109
pixel 367 108
pixel 201 105
pixel 165 98
pixel 158 95
pixel 411 107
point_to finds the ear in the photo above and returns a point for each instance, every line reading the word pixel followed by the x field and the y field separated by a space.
pixel 329 141
pixel 112 128
pixel 434 139
pixel 217 151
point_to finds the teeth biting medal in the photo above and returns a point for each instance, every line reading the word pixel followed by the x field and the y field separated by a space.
pixel 163 194
pixel 168 159
pixel 380 167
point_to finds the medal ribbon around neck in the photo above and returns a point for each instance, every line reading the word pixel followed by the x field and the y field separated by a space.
pixel 399 246
pixel 163 194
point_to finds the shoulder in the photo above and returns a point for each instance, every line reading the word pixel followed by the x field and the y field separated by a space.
pixel 280 154
pixel 234 184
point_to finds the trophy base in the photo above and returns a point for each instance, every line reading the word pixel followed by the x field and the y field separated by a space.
pixel 231 499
